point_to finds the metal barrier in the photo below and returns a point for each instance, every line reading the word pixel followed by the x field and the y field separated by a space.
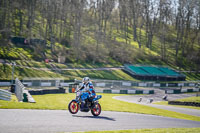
pixel 22 94
pixel 49 82
pixel 19 89
pixel 44 82
pixel 5 95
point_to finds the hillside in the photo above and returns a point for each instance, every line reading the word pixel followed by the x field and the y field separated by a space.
pixel 66 72
pixel 93 34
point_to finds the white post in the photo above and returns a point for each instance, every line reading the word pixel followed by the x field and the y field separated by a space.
pixel 13 70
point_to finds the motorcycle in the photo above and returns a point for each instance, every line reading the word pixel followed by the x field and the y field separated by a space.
pixel 90 103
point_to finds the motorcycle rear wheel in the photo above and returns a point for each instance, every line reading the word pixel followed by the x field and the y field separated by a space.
pixel 96 110
pixel 73 107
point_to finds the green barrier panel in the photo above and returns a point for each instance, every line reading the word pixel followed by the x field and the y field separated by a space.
pixel 107 91
pixel 190 90
pixel 186 84
pixel 151 92
pixel 172 84
pixel 70 90
pixel 25 97
pixel 177 91
pixel 163 85
pixel 139 92
pixel 134 84
pixel 123 91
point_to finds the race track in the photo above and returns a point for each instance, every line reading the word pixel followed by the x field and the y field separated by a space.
pixel 53 121
pixel 157 97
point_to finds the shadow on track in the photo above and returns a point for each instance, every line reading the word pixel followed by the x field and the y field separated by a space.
pixel 96 117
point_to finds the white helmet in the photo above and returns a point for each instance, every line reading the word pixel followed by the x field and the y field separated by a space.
pixel 86 80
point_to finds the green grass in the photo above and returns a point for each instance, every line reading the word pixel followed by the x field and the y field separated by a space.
pixel 182 106
pixel 32 63
pixel 190 99
pixel 50 101
pixel 22 72
pixel 99 74
pixel 42 64
pixel 192 76
pixel 60 102
pixel 15 53
pixel 154 130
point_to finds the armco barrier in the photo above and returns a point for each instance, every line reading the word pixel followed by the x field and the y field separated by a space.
pixel 107 91
pixel 139 92
pixel 5 83
pixel 151 92
pixel 5 95
pixel 184 103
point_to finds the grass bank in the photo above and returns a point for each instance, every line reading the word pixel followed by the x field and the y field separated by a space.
pixel 60 102
pixel 22 72
pixel 190 99
pixel 155 130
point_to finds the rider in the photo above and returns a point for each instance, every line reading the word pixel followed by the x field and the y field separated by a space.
pixel 88 91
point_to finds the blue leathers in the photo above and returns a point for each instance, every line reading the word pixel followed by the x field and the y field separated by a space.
pixel 87 91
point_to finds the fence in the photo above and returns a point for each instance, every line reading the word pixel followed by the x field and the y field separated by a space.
pixel 45 82
pixel 121 84
pixel 97 83
pixel 126 91
pixel 5 95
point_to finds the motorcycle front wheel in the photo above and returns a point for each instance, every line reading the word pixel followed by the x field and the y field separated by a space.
pixel 73 107
pixel 96 110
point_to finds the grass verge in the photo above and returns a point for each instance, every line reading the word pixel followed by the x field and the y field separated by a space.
pixel 181 106
pixel 189 99
pixel 155 130
pixel 60 102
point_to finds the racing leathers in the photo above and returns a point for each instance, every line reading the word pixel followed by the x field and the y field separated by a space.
pixel 88 93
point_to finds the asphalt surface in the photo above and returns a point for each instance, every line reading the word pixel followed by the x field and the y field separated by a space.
pixel 53 121
pixel 158 97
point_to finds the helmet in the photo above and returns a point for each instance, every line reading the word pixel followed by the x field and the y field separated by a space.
pixel 86 79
